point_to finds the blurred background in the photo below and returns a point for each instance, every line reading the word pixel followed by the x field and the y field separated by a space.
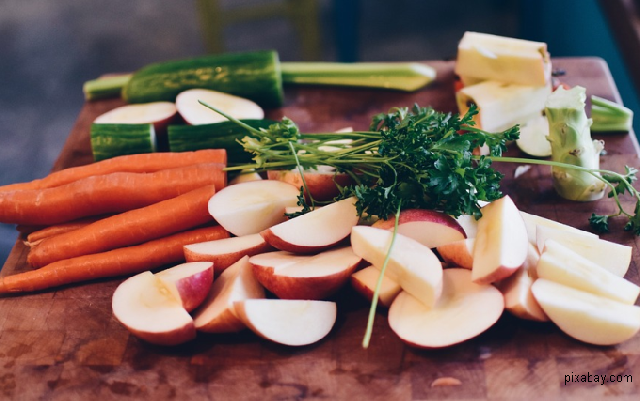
pixel 48 49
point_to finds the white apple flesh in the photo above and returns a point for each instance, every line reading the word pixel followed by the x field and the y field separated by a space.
pixel 364 282
pixel 151 312
pixel 194 113
pixel 188 282
pixel 465 310
pixel 286 321
pixel 315 231
pixel 412 265
pixel 428 227
pixel 217 313
pixel 532 221
pixel 226 251
pixel 458 253
pixel 252 207
pixel 501 244
pixel 322 183
pixel 587 317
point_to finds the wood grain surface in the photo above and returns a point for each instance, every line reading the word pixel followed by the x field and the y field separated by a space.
pixel 65 345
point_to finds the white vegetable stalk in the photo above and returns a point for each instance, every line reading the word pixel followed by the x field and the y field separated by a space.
pixel 571 143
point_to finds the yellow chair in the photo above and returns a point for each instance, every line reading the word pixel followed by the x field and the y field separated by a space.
pixel 302 14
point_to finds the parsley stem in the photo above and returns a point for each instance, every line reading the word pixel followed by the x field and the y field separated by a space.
pixel 376 292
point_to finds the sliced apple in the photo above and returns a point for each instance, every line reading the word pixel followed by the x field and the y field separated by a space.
pixel 251 207
pixel 150 312
pixel 316 230
pixel 464 311
pixel 469 224
pixel 194 113
pixel 412 265
pixel 160 114
pixel 188 282
pixel 562 265
pixel 217 313
pixel 286 321
pixel 226 251
pixel 587 317
pixel 501 244
pixel 245 176
pixel 458 253
pixel 612 256
pixel 312 277
pixel 364 281
pixel 532 221
pixel 322 182
pixel 428 227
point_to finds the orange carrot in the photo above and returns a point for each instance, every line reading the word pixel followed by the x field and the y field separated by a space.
pixel 139 163
pixel 130 228
pixel 125 261
pixel 36 236
pixel 105 194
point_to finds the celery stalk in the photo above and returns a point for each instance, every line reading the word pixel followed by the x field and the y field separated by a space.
pixel 571 143
pixel 609 116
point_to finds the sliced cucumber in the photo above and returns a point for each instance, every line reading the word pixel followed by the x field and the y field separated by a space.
pixel 110 140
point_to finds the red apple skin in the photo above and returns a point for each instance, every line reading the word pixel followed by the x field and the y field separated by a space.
pixel 418 215
pixel 457 253
pixel 222 261
pixel 283 245
pixel 193 290
pixel 321 185
pixel 170 338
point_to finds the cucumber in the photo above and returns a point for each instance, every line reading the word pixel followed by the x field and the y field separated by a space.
pixel 224 135
pixel 110 140
pixel 252 75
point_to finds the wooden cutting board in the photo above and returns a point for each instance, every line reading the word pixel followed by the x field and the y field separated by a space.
pixel 65 345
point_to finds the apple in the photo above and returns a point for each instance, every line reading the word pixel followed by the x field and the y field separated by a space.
pixel 226 251
pixel 465 310
pixel 188 282
pixel 469 224
pixel 217 313
pixel 412 265
pixel 287 321
pixel 562 265
pixel 587 317
pixel 245 176
pixel 428 227
pixel 612 256
pixel 251 207
pixel 150 312
pixel 501 244
pixel 194 113
pixel 532 221
pixel 307 277
pixel 321 182
pixel 314 231
pixel 458 253
pixel 160 114
pixel 364 281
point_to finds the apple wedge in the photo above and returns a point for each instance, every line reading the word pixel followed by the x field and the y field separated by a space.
pixel 412 265
pixel 150 312
pixel 364 282
pixel 532 221
pixel 564 266
pixel 226 251
pixel 316 230
pixel 245 176
pixel 251 207
pixel 428 227
pixel 322 182
pixel 217 313
pixel 194 113
pixel 458 253
pixel 612 256
pixel 590 318
pixel 464 311
pixel 469 224
pixel 501 244
pixel 188 282
pixel 286 321
pixel 308 277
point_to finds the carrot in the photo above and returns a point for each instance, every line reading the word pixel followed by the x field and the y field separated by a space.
pixel 36 236
pixel 130 228
pixel 139 163
pixel 118 262
pixel 105 194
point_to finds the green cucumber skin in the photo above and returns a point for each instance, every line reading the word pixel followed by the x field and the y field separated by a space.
pixel 252 75
pixel 110 140
pixel 187 138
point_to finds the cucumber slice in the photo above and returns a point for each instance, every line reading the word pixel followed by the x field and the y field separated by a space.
pixel 533 137
pixel 110 140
